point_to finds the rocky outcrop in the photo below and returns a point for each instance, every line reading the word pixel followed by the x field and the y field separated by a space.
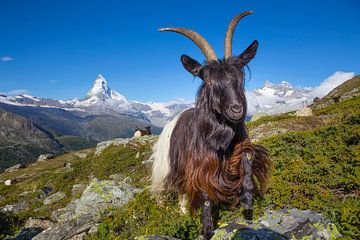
pixel 56 197
pixel 123 141
pixel 281 224
pixel 16 207
pixel 80 215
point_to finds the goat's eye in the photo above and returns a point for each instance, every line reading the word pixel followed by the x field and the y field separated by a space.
pixel 206 77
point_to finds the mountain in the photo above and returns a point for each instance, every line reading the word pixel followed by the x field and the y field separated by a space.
pixel 277 98
pixel 21 141
pixel 100 100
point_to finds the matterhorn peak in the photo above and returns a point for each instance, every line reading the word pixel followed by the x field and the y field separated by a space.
pixel 100 89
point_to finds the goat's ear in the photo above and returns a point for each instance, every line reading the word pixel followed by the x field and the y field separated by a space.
pixel 248 54
pixel 191 65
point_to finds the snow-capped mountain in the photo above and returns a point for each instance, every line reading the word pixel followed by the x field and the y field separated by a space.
pixel 102 99
pixel 276 98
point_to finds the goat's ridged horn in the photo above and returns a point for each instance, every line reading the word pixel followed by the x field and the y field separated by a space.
pixel 197 39
pixel 230 33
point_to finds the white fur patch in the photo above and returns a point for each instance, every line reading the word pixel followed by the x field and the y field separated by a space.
pixel 137 134
pixel 161 158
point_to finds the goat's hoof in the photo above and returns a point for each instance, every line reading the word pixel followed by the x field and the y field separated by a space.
pixel 248 215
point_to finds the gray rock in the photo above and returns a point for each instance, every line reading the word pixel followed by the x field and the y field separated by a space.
pixel 26 233
pixel 77 189
pixel 65 214
pixel 281 224
pixel 100 195
pixel 69 229
pixel 54 198
pixel 44 157
pixel 38 223
pixel 15 208
pixel 115 142
pixel 15 167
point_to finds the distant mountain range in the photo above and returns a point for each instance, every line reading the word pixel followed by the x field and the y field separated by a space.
pixel 33 125
pixel 101 99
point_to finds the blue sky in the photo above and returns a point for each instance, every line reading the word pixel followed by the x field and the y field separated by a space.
pixel 56 48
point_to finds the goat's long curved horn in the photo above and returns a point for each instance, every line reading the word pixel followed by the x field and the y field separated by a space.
pixel 230 33
pixel 199 40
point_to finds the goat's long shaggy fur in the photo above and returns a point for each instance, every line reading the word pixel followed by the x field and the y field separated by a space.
pixel 203 154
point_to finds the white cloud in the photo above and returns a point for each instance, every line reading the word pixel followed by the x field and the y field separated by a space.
pixel 331 82
pixel 7 59
pixel 53 81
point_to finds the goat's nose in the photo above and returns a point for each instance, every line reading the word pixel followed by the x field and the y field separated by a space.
pixel 236 108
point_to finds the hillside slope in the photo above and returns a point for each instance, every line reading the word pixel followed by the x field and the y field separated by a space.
pixel 21 141
pixel 316 167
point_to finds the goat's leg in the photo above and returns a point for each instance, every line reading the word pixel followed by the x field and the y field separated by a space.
pixel 247 189
pixel 208 225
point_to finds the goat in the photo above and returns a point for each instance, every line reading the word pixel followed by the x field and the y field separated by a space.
pixel 205 154
pixel 140 132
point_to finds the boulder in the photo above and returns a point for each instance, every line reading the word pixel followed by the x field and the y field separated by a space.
pixel 7 182
pixel 69 229
pixel 304 112
pixel 44 157
pixel 281 224
pixel 56 197
pixel 116 142
pixel 15 208
pixel 100 195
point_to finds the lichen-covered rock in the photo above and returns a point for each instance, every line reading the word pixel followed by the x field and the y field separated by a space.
pixel 100 195
pixel 77 189
pixel 68 229
pixel 54 198
pixel 82 214
pixel 280 224
pixel 38 223
pixel 15 208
